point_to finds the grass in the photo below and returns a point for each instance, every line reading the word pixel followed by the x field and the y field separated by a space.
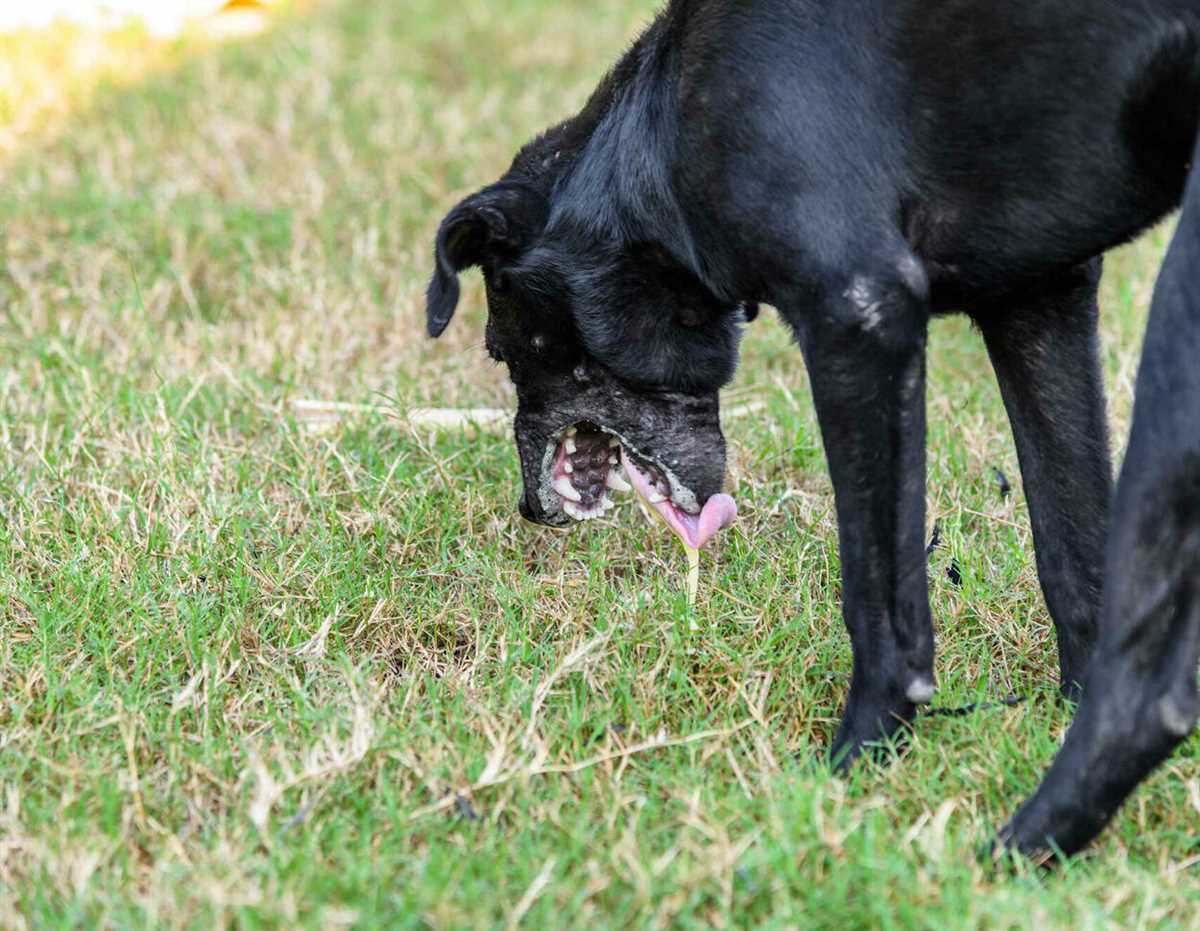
pixel 255 675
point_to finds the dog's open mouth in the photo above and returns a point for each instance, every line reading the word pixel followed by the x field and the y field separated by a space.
pixel 588 464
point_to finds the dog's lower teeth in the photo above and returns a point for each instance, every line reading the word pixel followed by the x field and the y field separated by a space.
pixel 563 486
pixel 655 497
pixel 617 483
pixel 568 468
pixel 570 446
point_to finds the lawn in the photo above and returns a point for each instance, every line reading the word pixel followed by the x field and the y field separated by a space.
pixel 258 674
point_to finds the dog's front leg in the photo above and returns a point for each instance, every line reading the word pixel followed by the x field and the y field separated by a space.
pixel 864 345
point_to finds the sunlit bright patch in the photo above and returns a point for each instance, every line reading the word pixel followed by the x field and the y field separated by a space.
pixel 163 18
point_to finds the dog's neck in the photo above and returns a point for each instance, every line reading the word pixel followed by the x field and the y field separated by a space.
pixel 616 185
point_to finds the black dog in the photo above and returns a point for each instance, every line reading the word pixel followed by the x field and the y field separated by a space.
pixel 862 165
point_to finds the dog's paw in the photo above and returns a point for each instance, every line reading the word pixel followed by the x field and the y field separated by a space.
pixel 879 734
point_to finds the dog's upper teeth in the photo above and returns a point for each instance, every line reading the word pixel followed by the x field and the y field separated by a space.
pixel 570 445
pixel 563 486
pixel 617 483
pixel 612 460
pixel 571 431
pixel 568 468
pixel 613 442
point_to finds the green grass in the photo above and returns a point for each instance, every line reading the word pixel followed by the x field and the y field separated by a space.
pixel 259 676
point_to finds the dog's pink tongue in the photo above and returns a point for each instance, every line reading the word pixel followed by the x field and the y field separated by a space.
pixel 695 530
pixel 718 512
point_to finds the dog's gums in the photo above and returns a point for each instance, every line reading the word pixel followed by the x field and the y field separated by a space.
pixel 587 466
pixel 585 471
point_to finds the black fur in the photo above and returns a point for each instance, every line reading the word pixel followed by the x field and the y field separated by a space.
pixel 862 165
pixel 1140 697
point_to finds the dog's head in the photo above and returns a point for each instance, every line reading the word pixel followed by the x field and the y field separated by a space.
pixel 616 350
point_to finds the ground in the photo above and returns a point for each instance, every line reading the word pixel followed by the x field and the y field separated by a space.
pixel 257 674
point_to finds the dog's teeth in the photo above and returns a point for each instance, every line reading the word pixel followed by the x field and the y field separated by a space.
pixel 563 486
pixel 613 442
pixel 573 510
pixel 608 504
pixel 568 468
pixel 612 460
pixel 617 483
pixel 571 431
pixel 654 497
pixel 570 445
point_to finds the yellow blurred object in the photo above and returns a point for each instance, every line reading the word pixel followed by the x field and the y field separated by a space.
pixel 239 18
pixel 693 578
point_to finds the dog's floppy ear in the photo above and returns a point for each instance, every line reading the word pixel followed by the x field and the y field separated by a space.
pixel 496 222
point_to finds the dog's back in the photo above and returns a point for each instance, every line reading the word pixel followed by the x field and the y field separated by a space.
pixel 1067 125
pixel 1017 138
